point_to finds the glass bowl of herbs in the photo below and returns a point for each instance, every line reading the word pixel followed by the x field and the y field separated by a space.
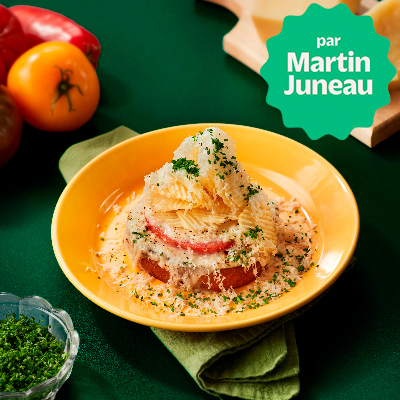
pixel 38 346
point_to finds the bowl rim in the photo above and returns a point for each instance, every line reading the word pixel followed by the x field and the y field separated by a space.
pixel 201 327
pixel 72 335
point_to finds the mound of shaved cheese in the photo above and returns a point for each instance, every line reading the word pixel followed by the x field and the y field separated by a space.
pixel 202 223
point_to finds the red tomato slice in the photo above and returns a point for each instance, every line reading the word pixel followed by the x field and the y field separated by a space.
pixel 200 248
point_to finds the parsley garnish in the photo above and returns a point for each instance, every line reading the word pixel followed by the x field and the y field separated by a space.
pixel 188 165
pixel 218 144
pixel 141 235
pixel 290 282
pixel 251 191
pixel 253 232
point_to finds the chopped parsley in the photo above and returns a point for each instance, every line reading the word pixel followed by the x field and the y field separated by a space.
pixel 140 235
pixel 188 165
pixel 29 354
pixel 251 191
pixel 253 232
pixel 290 282
pixel 218 145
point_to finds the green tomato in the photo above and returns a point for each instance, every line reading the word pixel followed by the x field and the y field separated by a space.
pixel 10 126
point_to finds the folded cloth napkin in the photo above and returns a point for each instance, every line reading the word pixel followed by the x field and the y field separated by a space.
pixel 260 362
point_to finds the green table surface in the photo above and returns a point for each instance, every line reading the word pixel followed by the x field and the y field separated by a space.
pixel 162 64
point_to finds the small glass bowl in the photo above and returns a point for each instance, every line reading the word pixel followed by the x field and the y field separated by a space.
pixel 61 328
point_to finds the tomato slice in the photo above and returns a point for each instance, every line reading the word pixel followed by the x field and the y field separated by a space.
pixel 198 247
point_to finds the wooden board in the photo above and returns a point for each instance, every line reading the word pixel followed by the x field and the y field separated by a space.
pixel 244 44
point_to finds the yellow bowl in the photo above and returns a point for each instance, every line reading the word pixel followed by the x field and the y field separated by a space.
pixel 283 166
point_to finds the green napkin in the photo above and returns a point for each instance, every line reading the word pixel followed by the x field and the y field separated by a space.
pixel 260 362
pixel 79 154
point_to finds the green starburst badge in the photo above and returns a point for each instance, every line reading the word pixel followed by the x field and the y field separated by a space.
pixel 328 71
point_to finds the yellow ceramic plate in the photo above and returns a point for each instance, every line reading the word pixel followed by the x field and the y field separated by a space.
pixel 274 161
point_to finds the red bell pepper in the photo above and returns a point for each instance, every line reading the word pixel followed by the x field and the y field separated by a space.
pixel 13 41
pixel 41 25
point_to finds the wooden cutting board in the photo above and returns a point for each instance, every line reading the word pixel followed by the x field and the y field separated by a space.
pixel 243 43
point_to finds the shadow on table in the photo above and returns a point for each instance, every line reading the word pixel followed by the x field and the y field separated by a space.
pixel 86 383
pixel 389 149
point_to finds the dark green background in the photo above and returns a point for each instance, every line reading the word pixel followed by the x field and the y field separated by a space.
pixel 162 64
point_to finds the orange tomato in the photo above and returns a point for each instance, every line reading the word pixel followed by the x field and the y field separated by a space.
pixel 55 87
